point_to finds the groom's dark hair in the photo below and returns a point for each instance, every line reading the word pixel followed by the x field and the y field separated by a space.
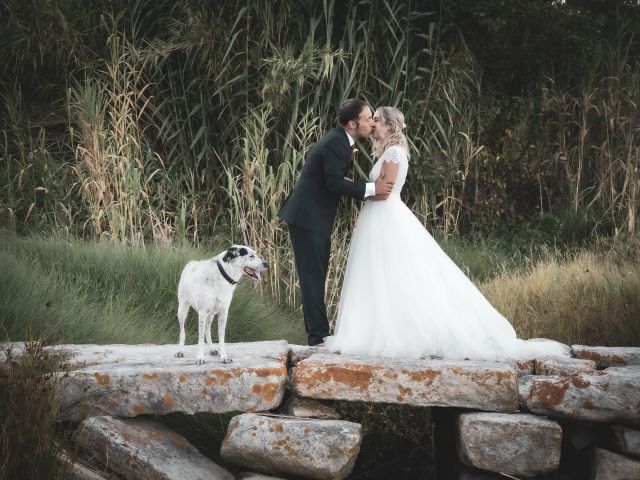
pixel 350 110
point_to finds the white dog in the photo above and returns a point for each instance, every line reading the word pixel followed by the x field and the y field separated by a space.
pixel 207 286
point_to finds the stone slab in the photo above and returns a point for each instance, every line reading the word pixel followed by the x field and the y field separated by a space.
pixel 626 440
pixel 296 406
pixel 563 366
pixel 516 444
pixel 310 448
pixel 613 466
pixel 608 356
pixel 130 380
pixel 145 450
pixel 611 395
pixel 301 352
pixel 488 386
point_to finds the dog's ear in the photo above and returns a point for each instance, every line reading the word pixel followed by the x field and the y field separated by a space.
pixel 230 254
pixel 243 252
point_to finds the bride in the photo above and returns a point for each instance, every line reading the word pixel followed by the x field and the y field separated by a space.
pixel 402 296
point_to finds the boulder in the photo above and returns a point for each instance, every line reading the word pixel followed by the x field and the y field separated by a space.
pixel 608 356
pixel 145 450
pixel 282 445
pixel 516 444
pixel 130 380
pixel 626 440
pixel 468 384
pixel 612 466
pixel 296 406
pixel 611 395
pixel 563 366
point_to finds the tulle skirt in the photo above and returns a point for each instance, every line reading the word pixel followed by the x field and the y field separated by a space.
pixel 403 297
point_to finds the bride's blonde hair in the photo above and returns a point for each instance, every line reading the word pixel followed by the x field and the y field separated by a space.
pixel 395 119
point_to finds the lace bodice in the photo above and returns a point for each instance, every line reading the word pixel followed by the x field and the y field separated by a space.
pixel 395 154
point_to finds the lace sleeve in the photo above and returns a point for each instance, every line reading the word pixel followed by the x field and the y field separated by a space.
pixel 394 154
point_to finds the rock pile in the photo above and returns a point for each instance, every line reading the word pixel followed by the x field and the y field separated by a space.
pixel 511 416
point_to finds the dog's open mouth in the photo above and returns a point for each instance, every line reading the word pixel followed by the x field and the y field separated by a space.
pixel 251 273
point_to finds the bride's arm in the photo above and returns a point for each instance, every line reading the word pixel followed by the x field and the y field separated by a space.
pixel 389 172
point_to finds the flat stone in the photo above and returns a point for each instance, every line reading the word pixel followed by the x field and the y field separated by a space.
pixel 516 444
pixel 281 445
pixel 13 348
pixel 130 380
pixel 563 366
pixel 611 395
pixel 302 352
pixel 296 406
pixel 626 440
pixel 467 384
pixel 613 466
pixel 142 449
pixel 608 356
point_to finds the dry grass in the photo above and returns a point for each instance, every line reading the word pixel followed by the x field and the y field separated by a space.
pixel 584 298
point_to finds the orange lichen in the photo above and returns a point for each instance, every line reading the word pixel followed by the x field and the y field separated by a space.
pixel 167 400
pixel 223 376
pixel 280 371
pixel 351 375
pixel 182 378
pixel 102 379
pixel 267 391
pixel 579 382
pixel 138 409
pixel 426 377
pixel 588 404
pixel 549 393
pixel 150 376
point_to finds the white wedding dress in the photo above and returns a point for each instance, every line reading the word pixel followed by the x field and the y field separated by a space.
pixel 403 297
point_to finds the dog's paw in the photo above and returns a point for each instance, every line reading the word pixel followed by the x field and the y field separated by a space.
pixel 214 352
pixel 179 354
pixel 225 359
pixel 200 360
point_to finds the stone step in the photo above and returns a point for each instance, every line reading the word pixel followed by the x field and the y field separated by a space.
pixel 608 356
pixel 613 466
pixel 511 443
pixel 611 395
pixel 142 449
pixel 130 380
pixel 308 448
pixel 490 386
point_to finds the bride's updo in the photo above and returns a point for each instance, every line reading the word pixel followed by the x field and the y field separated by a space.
pixel 395 119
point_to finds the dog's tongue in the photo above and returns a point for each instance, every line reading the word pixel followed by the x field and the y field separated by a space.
pixel 254 274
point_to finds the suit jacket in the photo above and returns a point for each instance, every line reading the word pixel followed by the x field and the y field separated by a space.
pixel 313 203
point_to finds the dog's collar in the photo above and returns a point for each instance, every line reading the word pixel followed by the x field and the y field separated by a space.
pixel 225 274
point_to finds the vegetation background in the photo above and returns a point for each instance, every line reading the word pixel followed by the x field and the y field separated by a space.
pixel 137 135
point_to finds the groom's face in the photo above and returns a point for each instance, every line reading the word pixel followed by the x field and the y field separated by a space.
pixel 364 125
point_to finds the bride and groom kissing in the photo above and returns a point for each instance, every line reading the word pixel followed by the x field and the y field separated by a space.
pixel 402 296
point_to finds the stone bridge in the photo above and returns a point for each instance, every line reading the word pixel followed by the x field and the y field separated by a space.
pixel 510 417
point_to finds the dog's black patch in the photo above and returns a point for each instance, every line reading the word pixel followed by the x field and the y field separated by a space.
pixel 230 254
pixel 243 252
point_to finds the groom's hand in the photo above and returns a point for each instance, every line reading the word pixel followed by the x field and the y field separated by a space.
pixel 383 187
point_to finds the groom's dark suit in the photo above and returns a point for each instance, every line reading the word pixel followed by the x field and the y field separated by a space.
pixel 310 211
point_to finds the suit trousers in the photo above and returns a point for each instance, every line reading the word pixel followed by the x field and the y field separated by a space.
pixel 312 253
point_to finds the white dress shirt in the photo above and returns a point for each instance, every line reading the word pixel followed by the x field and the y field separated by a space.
pixel 370 189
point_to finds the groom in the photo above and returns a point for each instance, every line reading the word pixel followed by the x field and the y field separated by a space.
pixel 310 209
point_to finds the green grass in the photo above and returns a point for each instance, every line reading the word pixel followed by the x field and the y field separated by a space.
pixel 72 291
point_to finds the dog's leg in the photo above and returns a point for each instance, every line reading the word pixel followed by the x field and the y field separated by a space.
pixel 222 324
pixel 183 310
pixel 212 350
pixel 203 317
